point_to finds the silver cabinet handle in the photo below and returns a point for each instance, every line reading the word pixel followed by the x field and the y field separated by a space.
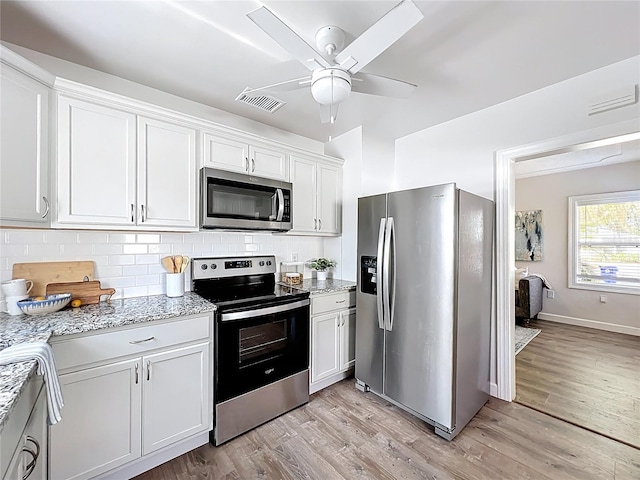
pixel 31 466
pixel 315 224
pixel 341 301
pixel 319 224
pixel 253 165
pixel 142 213
pixel 148 370
pixel 137 368
pixel 133 212
pixel 246 164
pixel 135 342
pixel 46 206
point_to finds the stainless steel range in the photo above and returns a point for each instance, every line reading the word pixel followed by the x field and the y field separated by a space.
pixel 261 342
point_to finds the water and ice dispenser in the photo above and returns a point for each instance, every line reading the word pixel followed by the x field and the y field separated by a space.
pixel 368 275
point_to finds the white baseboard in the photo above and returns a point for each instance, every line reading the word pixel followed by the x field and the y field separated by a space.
pixel 324 383
pixel 583 322
pixel 493 389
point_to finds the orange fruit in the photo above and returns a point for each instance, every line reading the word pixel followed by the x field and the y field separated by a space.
pixel 76 303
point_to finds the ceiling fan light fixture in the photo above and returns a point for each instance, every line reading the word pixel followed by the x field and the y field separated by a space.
pixel 330 86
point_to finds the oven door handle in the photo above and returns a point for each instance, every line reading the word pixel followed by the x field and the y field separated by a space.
pixel 259 312
pixel 280 205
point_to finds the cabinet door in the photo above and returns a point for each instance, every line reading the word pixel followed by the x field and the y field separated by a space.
pixel 24 143
pixel 268 163
pixel 100 427
pixel 35 440
pixel 226 153
pixel 166 174
pixel 329 199
pixel 348 339
pixel 96 164
pixel 303 178
pixel 176 396
pixel 325 346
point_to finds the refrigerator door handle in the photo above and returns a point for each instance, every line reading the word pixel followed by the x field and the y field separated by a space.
pixel 386 295
pixel 390 271
pixel 379 275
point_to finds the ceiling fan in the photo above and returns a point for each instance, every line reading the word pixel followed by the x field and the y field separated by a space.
pixel 335 71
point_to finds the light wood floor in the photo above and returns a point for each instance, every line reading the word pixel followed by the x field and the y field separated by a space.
pixel 585 376
pixel 344 434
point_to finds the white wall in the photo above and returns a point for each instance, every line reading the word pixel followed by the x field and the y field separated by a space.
pixel 347 146
pixel 130 262
pixel 550 193
pixel 88 76
pixel 462 150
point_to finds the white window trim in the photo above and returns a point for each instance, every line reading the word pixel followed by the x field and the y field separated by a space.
pixel 575 202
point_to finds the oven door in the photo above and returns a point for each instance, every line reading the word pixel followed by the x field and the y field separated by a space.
pixel 232 200
pixel 255 347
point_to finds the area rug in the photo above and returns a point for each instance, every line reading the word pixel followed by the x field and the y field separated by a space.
pixel 524 336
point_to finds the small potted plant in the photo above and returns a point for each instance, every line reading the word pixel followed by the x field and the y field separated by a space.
pixel 320 265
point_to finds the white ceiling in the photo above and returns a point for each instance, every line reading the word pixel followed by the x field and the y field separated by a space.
pixel 464 55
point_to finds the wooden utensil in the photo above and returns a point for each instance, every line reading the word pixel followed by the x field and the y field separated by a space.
pixel 87 292
pixel 185 263
pixel 167 263
pixel 177 260
pixel 42 273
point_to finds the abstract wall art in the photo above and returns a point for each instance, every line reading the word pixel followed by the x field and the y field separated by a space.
pixel 529 235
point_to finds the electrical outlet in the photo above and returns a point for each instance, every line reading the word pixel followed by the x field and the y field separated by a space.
pixel 551 294
pixel 603 299
pixel 294 257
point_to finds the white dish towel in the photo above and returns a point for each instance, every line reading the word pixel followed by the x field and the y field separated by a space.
pixel 42 353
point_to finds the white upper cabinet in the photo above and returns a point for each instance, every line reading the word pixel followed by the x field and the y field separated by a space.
pixel 166 174
pixel 317 196
pixel 24 143
pixel 116 168
pixel 238 155
pixel 96 164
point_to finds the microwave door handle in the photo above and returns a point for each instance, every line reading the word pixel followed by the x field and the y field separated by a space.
pixel 280 205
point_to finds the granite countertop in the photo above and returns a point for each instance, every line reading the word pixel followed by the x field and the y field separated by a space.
pixel 31 328
pixel 330 285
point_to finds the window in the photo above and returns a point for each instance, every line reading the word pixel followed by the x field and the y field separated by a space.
pixel 604 242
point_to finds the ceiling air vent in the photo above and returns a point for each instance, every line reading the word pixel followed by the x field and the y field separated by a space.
pixel 616 99
pixel 263 102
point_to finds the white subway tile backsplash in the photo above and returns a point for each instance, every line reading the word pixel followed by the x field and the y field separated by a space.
pixel 134 249
pixel 148 238
pixel 122 238
pixel 130 262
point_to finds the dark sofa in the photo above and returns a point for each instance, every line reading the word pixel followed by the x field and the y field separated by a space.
pixel 528 298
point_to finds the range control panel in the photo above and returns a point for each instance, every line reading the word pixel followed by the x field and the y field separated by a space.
pixel 221 267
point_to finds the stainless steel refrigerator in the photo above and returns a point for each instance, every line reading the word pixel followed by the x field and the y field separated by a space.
pixel 424 302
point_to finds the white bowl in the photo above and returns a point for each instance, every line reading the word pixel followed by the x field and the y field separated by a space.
pixel 52 303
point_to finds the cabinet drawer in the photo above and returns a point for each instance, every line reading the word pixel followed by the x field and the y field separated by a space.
pixel 332 301
pixel 100 347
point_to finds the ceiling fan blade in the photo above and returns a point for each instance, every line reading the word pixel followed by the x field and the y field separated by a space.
pixel 328 113
pixel 286 86
pixel 287 38
pixel 378 85
pixel 380 36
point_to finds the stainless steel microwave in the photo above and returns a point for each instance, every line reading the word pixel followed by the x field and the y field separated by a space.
pixel 239 201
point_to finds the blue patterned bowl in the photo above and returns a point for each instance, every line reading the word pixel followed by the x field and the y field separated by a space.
pixel 52 303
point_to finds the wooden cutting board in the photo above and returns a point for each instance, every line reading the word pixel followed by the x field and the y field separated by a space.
pixel 42 273
pixel 87 292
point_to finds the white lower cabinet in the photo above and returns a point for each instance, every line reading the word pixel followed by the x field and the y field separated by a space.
pixel 175 400
pixel 29 455
pixel 333 320
pixel 129 408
